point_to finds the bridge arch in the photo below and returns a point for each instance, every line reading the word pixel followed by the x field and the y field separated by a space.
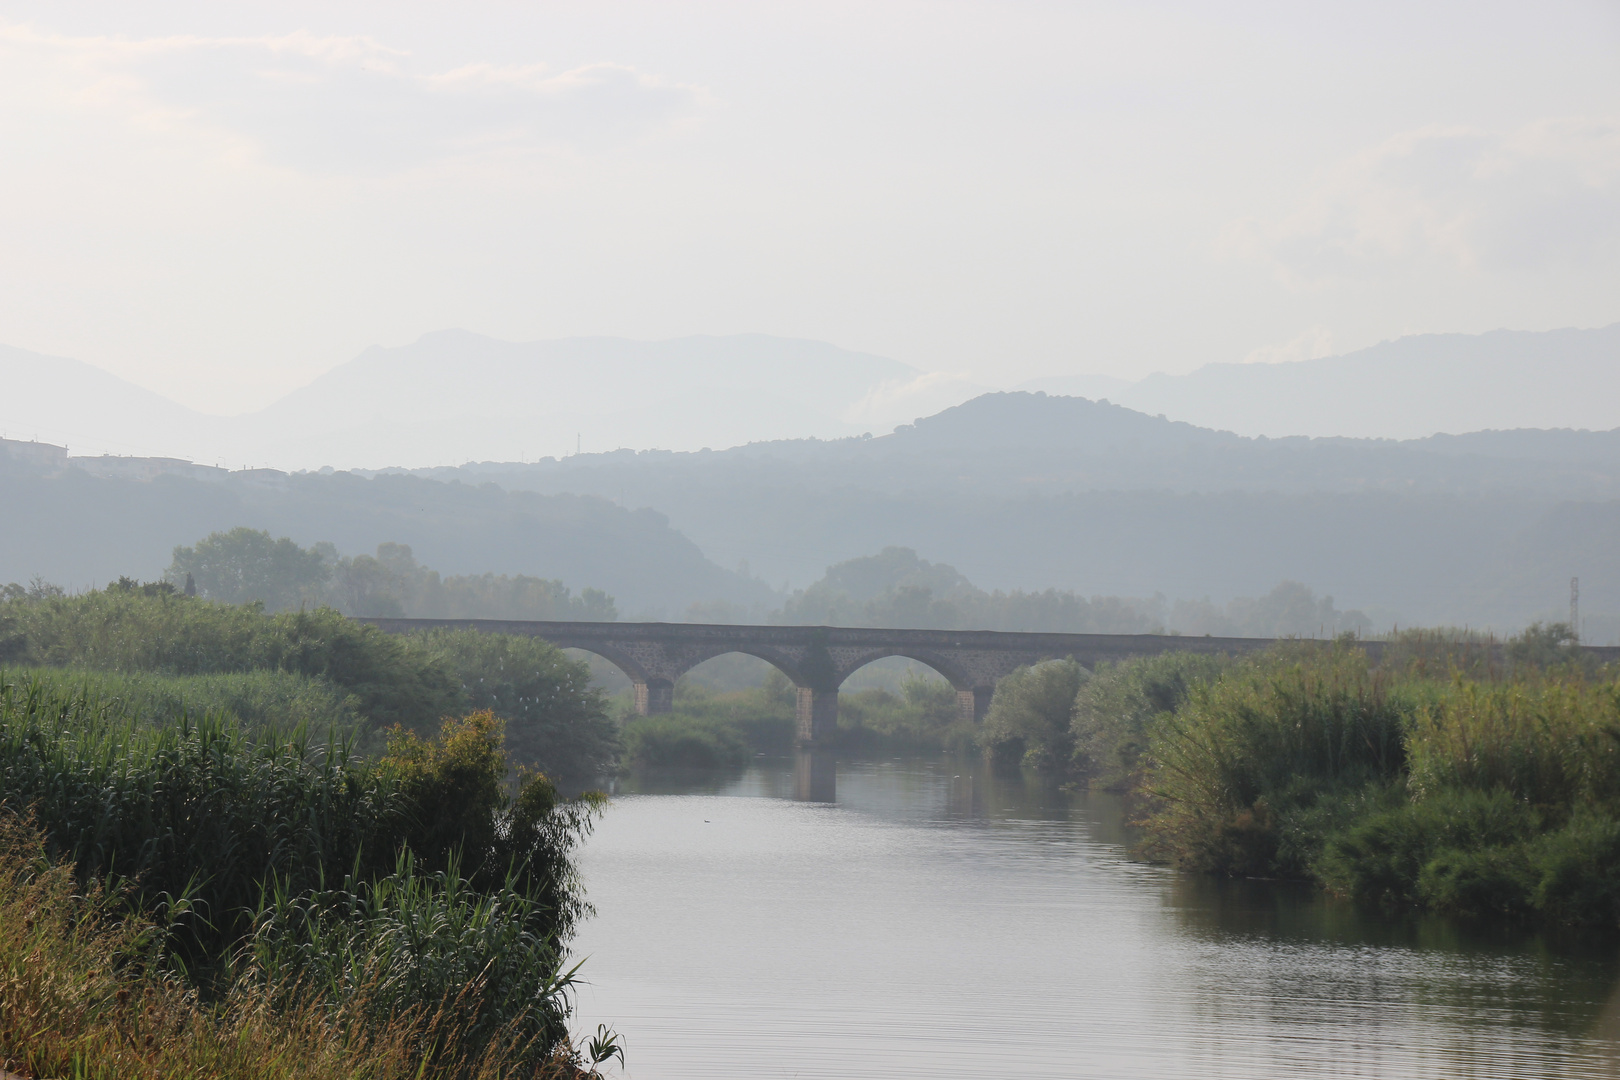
pixel 653 673
pixel 973 690
pixel 774 657
pixel 951 673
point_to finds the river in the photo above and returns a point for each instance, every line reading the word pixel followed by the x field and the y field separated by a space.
pixel 924 917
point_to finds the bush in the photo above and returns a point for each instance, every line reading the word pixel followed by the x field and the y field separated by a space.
pixel 1261 746
pixel 1579 873
pixel 1554 743
pixel 201 808
pixel 555 719
pixel 925 715
pixel 1030 715
pixel 270 668
pixel 417 944
pixel 256 698
pixel 124 631
pixel 1383 858
pixel 80 994
pixel 693 742
pixel 1115 707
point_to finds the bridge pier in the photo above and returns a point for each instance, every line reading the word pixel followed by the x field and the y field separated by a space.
pixel 817 715
pixel 655 696
pixel 973 704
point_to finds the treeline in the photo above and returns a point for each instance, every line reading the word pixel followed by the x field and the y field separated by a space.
pixel 1449 775
pixel 896 588
pixel 247 565
pixel 169 653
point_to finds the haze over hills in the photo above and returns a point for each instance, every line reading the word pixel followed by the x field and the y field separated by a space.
pixel 80 530
pixel 454 396
pixel 1016 491
pixel 1406 389
pixel 1030 491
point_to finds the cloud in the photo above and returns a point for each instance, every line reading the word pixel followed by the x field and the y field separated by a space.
pixel 355 105
pixel 1542 196
pixel 901 401
pixel 1313 344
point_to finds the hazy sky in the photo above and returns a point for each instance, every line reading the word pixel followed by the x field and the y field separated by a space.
pixel 221 201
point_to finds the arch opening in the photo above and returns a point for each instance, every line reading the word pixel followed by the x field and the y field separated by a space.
pixel 937 665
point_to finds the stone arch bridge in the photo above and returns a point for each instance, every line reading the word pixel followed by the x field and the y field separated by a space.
pixel 817 659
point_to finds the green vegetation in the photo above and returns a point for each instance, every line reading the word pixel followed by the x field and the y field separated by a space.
pixel 274 897
pixel 925 715
pixel 896 588
pixel 245 565
pixel 1447 777
pixel 1030 715
pixel 714 730
pixel 723 729
pixel 175 653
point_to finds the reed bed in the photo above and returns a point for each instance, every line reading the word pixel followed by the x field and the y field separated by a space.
pixel 1456 774
pixel 280 890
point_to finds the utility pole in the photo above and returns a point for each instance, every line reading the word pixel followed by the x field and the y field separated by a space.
pixel 1575 609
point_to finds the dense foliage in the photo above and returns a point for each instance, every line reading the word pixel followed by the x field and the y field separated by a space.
pixel 231 837
pixel 1449 775
pixel 897 588
pixel 246 565
pixel 316 666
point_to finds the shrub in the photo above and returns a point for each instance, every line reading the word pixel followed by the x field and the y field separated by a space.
pixel 80 994
pixel 1264 743
pixel 684 741
pixel 1030 715
pixel 1554 743
pixel 1579 873
pixel 200 807
pixel 555 719
pixel 1383 857
pixel 1115 707
pixel 925 715
pixel 256 698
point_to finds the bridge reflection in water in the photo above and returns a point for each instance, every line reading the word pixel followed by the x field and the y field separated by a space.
pixel 817 659
pixel 815 775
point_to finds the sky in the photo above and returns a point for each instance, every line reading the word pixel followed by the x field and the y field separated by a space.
pixel 221 201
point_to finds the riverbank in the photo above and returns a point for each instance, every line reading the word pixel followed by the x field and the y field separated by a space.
pixel 1444 777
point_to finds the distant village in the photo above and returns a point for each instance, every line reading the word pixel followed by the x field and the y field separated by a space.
pixel 48 459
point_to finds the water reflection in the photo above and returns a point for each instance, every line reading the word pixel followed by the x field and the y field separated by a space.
pixel 815 776
pixel 931 918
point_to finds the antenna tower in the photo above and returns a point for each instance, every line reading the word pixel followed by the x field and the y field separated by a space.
pixel 1575 608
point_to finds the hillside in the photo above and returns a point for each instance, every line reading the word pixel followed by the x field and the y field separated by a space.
pixel 454 396
pixel 79 530
pixel 1407 388
pixel 1031 491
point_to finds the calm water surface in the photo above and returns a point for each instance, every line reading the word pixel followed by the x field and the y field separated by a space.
pixel 925 918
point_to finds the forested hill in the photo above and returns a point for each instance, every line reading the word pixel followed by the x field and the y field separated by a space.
pixel 1033 442
pixel 1029 491
pixel 77 530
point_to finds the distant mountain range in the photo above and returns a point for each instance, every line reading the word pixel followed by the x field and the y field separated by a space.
pixel 1014 490
pixel 455 396
pixel 1405 389
pixel 1022 490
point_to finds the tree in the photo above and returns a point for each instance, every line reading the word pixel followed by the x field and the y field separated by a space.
pixel 245 565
